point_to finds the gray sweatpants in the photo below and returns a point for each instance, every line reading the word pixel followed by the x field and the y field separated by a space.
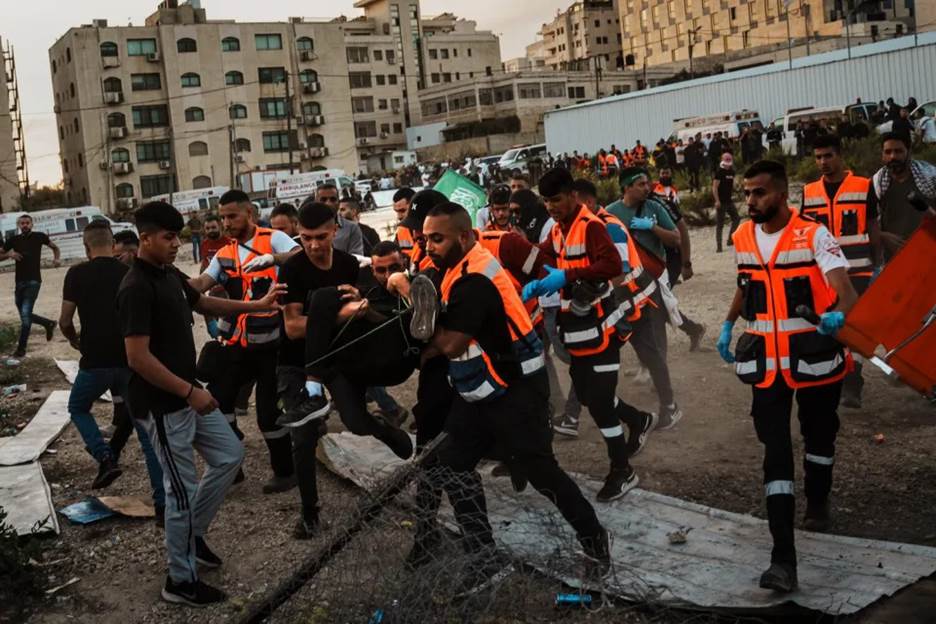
pixel 192 504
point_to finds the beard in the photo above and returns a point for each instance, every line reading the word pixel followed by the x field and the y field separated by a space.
pixel 898 166
pixel 213 235
pixel 764 217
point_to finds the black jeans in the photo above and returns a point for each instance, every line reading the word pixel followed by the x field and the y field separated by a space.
pixel 649 341
pixel 514 427
pixel 304 439
pixel 819 423
pixel 695 182
pixel 248 366
pixel 729 209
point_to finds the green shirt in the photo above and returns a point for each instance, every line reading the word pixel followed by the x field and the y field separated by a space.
pixel 648 239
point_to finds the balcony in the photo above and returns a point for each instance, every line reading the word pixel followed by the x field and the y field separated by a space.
pixel 119 132
pixel 122 168
pixel 113 97
pixel 307 55
pixel 317 152
pixel 127 203
pixel 311 87
pixel 313 120
pixel 111 61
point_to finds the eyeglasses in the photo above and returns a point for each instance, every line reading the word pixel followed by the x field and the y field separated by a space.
pixel 393 268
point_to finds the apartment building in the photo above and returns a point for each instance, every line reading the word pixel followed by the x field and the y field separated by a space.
pixel 12 155
pixel 658 32
pixel 587 30
pixel 184 102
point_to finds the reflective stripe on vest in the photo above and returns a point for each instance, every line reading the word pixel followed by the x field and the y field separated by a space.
pixel 472 373
pixel 775 338
pixel 258 328
pixel 404 238
pixel 491 240
pixel 846 217
pixel 640 283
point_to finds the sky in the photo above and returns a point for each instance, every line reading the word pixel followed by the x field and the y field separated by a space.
pixel 32 27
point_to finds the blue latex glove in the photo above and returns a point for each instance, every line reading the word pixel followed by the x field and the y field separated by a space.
pixel 533 288
pixel 831 322
pixel 555 279
pixel 724 342
pixel 642 223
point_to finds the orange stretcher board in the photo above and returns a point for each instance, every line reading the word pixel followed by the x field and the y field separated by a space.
pixel 894 308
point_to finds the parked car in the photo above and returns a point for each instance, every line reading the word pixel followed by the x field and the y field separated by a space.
pixel 518 157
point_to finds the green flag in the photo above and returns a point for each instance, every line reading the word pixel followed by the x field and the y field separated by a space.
pixel 463 191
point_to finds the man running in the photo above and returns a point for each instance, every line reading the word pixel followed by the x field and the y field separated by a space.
pixel 25 249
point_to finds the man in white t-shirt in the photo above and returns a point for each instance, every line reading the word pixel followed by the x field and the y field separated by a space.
pixel 787 263
pixel 249 353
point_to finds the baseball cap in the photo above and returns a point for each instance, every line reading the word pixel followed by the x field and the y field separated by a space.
pixel 420 205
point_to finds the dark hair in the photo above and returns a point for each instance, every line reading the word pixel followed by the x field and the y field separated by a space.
pixel 385 248
pixel 826 141
pixel 314 214
pixel 516 174
pixel 499 195
pixel 456 211
pixel 97 224
pixel 629 172
pixel 772 168
pixel 234 196
pixel 213 217
pixel 351 202
pixel 555 181
pixel 287 210
pixel 126 237
pixel 156 216
pixel 891 136
pixel 584 187
pixel 403 193
pixel 97 233
pixel 325 185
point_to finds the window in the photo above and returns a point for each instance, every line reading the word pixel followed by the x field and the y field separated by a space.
pixel 153 151
pixel 316 140
pixel 112 85
pixel 553 89
pixel 308 76
pixel 381 79
pixel 186 45
pixel 120 155
pixel 444 53
pixel 304 43
pixel 469 51
pixel 398 128
pixel 191 80
pixel 194 114
pixel 200 182
pixel 198 148
pixel 485 97
pixel 597 23
pixel 382 104
pixel 123 191
pixel 242 145
pixel 455 52
pixel 76 125
pixel 358 55
pixel 433 53
pixel 238 111
pixel 362 104
pixel 270 75
pixel 141 47
pixel 391 56
pixel 360 80
pixel 233 78
pixel 392 79
pixel 71 89
pixel 530 91
pixel 108 48
pixel 446 77
pixel 68 55
pixel 384 129
pixel 311 108
pixel 378 55
pixel 364 129
pixel 503 94
pixel 269 42
pixel 395 104
pixel 230 44
pixel 276 141
pixel 145 82
pixel 54 66
pixel 150 116
pixel 156 185
pixel 576 93
pixel 272 108
pixel 732 14
pixel 434 78
pixel 116 120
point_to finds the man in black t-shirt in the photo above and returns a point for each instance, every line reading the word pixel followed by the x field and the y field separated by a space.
pixel 723 190
pixel 323 313
pixel 25 249
pixel 155 304
pixel 91 290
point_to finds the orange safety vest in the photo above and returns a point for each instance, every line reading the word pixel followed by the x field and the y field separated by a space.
pixel 405 239
pixel 640 152
pixel 603 165
pixel 590 333
pixel 776 338
pixel 258 329
pixel 639 283
pixel 846 217
pixel 472 373
pixel 492 242
pixel 669 192
pixel 628 159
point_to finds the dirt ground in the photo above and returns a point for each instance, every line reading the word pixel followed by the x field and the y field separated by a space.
pixel 881 491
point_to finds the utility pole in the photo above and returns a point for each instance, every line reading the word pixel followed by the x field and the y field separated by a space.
pixel 692 35
pixel 597 62
pixel 806 10
pixel 231 148
pixel 789 36
pixel 289 140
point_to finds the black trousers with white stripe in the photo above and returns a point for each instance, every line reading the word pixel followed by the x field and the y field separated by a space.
pixel 819 423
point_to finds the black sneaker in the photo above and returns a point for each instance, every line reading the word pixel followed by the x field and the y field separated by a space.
pixel 306 528
pixel 637 436
pixel 424 550
pixel 425 300
pixel 204 556
pixel 108 471
pixel 669 416
pixel 486 569
pixel 278 484
pixel 306 410
pixel 598 550
pixel 780 577
pixel 19 353
pixel 399 442
pixel 618 483
pixel 818 517
pixel 195 594
pixel 49 331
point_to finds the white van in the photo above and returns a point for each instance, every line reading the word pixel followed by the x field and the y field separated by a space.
pixel 295 189
pixel 198 200
pixel 730 124
pixel 63 225
pixel 790 121
pixel 519 157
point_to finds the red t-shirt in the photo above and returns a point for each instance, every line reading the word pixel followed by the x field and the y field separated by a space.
pixel 209 247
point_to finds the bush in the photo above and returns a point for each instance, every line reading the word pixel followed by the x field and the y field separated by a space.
pixel 608 189
pixel 9 335
pixel 20 579
pixel 698 209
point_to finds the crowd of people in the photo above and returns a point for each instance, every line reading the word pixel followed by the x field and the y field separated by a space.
pixel 316 313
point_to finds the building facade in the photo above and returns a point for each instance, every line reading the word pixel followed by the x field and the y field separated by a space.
pixel 575 38
pixel 11 135
pixel 185 103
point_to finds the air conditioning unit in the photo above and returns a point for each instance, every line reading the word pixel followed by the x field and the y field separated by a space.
pixel 111 61
pixel 383 135
pixel 127 203
pixel 315 120
pixel 165 164
pixel 103 165
pixel 307 55
pixel 153 57
pixel 238 158
pixel 119 132
pixel 121 168
pixel 113 97
pixel 311 87
pixel 318 152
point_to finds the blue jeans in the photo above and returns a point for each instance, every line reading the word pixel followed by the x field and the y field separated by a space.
pixel 25 296
pixel 196 244
pixel 385 402
pixel 90 384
